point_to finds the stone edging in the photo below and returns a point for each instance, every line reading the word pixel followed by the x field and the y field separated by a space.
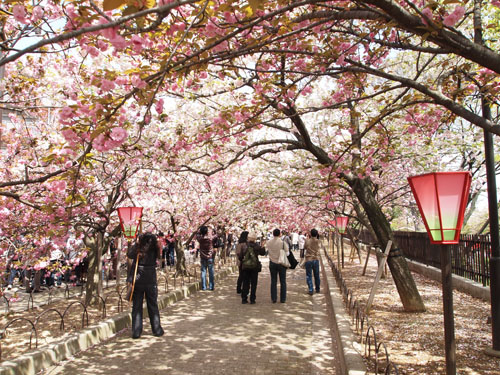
pixel 33 362
pixel 351 360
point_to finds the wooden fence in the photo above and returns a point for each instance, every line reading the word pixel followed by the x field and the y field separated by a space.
pixel 470 258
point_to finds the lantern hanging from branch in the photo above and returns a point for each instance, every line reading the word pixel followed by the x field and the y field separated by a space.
pixel 130 220
pixel 341 222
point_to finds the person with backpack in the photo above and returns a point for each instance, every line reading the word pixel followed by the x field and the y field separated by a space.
pixel 240 248
pixel 250 268
pixel 207 256
pixel 274 247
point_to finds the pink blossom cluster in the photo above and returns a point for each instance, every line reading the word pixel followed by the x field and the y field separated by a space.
pixel 115 138
pixel 57 186
pixel 453 18
pixel 70 136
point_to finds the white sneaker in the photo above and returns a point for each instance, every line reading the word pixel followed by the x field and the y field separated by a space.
pixel 9 287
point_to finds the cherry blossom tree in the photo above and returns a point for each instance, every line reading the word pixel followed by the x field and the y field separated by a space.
pixel 247 65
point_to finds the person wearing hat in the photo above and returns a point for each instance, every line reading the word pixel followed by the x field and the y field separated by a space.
pixel 250 268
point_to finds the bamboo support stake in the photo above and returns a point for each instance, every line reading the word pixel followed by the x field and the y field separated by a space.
pixel 377 277
pixel 367 258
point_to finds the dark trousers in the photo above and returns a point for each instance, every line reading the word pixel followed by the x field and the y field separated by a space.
pixel 239 282
pixel 250 279
pixel 151 292
pixel 275 270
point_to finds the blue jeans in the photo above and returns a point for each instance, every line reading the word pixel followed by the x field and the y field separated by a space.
pixel 275 270
pixel 204 264
pixel 171 256
pixel 312 266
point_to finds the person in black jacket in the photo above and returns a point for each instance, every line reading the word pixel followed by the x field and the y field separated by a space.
pixel 250 276
pixel 145 283
pixel 240 248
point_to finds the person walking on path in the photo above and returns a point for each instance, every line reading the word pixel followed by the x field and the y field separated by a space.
pixel 240 248
pixel 302 241
pixel 250 268
pixel 207 255
pixel 147 252
pixel 274 247
pixel 311 248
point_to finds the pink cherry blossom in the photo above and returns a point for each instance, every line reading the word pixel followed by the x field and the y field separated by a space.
pixel 138 82
pixel 119 135
pixel 66 113
pixel 19 13
pixel 119 42
pixel 452 18
pixel 137 43
pixel 107 85
pixel 37 13
pixel 427 12
pixel 159 106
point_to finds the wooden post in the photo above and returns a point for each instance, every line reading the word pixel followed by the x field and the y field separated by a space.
pixel 338 249
pixel 367 258
pixel 353 240
pixel 377 277
pixel 342 248
pixel 118 262
pixel 449 321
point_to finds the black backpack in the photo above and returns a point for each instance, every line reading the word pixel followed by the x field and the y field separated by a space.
pixel 250 260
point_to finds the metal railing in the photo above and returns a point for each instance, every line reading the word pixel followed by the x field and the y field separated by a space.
pixel 376 353
pixel 470 257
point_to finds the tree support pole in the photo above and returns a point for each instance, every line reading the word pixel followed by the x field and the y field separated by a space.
pixel 449 321
pixel 495 245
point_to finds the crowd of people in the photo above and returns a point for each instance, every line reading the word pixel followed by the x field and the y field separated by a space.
pixel 150 252
pixel 62 265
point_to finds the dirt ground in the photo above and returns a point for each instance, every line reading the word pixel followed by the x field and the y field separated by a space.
pixel 415 341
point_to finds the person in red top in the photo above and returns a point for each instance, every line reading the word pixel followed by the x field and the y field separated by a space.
pixel 207 255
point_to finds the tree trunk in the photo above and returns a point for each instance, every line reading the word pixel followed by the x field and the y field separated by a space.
pixel 180 265
pixel 407 289
pixel 93 286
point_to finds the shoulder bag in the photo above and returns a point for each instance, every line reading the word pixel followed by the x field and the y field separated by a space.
pixel 291 259
pixel 283 259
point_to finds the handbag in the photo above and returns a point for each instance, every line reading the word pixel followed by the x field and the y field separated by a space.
pixel 130 286
pixel 283 259
pixel 291 259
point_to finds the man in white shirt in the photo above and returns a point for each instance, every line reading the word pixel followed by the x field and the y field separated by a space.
pixel 273 247
pixel 295 241
pixel 302 241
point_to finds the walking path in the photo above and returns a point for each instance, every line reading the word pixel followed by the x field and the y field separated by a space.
pixel 213 333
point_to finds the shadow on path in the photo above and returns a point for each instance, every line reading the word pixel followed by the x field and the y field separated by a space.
pixel 213 333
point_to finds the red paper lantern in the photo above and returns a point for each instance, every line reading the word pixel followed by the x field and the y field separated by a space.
pixel 341 222
pixel 441 198
pixel 130 220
